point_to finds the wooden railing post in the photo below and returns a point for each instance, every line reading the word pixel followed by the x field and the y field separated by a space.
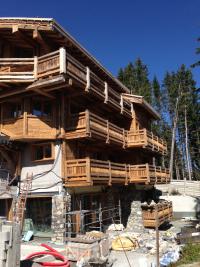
pixel 122 104
pixel 88 170
pixel 87 79
pixel 148 173
pixel 35 71
pixel 145 136
pixel 106 92
pixel 62 52
pixel 87 121
pixel 126 173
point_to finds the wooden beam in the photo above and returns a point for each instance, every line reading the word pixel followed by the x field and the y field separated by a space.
pixel 16 31
pixel 41 92
pixel 40 39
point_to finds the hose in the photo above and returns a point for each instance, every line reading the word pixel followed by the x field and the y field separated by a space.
pixel 64 262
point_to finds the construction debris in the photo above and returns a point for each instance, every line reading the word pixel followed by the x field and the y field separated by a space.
pixel 122 243
pixel 9 244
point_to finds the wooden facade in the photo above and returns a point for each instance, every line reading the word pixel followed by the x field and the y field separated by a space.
pixel 54 90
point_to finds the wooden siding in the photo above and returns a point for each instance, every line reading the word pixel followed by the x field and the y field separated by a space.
pixel 83 172
pixel 28 127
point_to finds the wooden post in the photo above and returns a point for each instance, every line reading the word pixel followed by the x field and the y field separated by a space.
pixel 25 119
pixel 62 115
pixel 62 53
pixel 148 174
pixel 88 170
pixel 87 79
pixel 87 121
pixel 122 104
pixel 157 239
pixel 106 92
pixel 35 72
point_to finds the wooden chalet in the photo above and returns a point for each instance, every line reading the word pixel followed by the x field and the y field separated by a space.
pixel 69 121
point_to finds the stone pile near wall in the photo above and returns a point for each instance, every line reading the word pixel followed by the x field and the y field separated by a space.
pixel 10 237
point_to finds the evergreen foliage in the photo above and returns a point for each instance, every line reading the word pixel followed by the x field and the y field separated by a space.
pixel 181 85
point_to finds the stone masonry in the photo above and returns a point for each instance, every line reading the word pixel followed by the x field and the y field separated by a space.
pixel 60 205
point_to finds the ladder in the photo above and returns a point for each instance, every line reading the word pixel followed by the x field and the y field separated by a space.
pixel 21 201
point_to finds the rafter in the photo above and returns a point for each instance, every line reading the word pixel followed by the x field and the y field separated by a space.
pixel 22 36
pixel 40 39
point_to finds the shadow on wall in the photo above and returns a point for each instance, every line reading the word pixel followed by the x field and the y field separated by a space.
pixel 131 193
pixel 197 208
pixel 26 263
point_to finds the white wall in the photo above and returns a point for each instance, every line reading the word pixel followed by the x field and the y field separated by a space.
pixel 47 180
pixel 184 206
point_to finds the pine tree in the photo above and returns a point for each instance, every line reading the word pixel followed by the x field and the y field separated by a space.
pixel 135 77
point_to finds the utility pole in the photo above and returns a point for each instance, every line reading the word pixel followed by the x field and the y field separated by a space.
pixel 186 148
pixel 173 140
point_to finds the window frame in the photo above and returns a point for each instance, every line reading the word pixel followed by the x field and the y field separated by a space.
pixel 33 151
pixel 42 104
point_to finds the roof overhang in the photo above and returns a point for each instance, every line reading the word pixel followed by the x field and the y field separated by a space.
pixel 49 24
pixel 139 100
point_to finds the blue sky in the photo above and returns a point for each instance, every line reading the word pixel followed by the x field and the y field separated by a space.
pixel 162 32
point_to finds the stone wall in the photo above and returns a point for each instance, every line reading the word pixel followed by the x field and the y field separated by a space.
pixel 60 205
pixel 131 199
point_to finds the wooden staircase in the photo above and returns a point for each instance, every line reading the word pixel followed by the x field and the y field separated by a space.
pixel 21 201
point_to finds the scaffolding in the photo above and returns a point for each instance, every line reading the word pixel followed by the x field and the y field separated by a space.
pixel 81 221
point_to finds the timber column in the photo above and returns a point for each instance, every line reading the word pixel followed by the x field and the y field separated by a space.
pixel 60 204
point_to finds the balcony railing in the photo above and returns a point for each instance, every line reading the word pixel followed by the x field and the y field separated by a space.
pixel 17 69
pixel 148 174
pixel 29 127
pixel 146 139
pixel 87 124
pixel 27 70
pixel 85 172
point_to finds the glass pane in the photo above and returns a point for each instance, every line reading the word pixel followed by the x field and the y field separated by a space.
pixel 38 152
pixel 37 109
pixel 47 109
pixel 47 151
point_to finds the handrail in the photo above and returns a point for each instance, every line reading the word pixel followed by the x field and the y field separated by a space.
pixel 110 170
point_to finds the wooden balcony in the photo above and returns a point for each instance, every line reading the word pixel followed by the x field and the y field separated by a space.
pixel 164 213
pixel 86 172
pixel 29 127
pixel 146 139
pixel 17 70
pixel 40 71
pixel 148 174
pixel 88 125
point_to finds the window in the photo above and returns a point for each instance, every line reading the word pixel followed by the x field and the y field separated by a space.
pixel 42 109
pixel 42 151
pixel 12 110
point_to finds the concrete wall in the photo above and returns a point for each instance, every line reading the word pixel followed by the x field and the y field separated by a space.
pixel 48 179
pixel 184 206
